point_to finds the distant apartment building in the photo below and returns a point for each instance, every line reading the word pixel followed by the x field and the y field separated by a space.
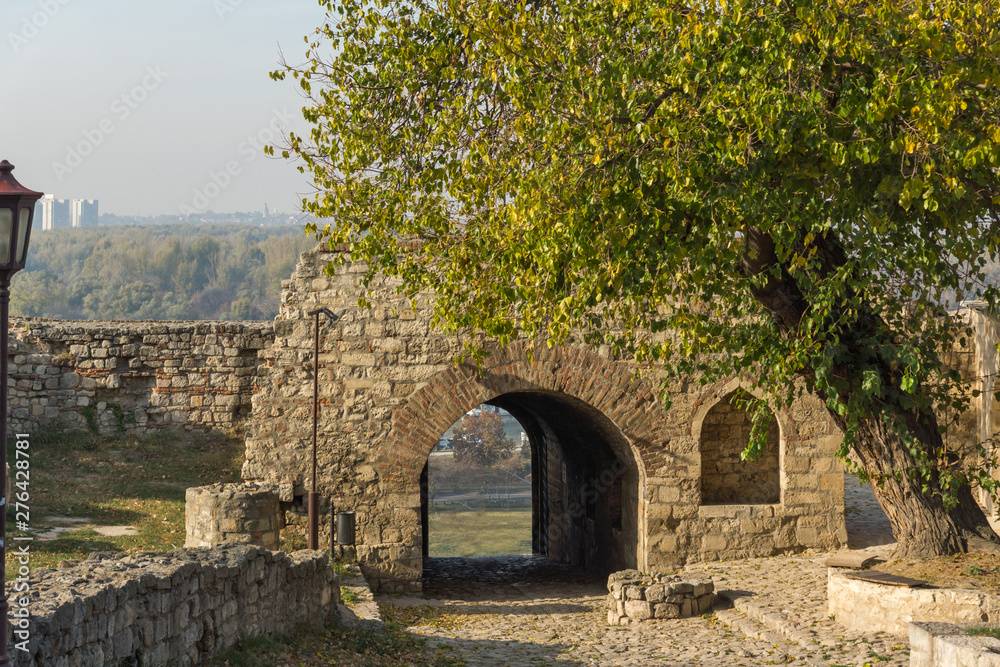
pixel 84 213
pixel 52 213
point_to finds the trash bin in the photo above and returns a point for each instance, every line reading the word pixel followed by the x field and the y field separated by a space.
pixel 345 528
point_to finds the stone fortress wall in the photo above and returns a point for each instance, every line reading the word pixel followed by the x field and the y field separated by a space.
pixel 126 376
pixel 618 480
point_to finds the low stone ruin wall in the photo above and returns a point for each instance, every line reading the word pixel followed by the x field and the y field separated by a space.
pixel 137 377
pixel 947 645
pixel 634 596
pixel 174 608
pixel 872 607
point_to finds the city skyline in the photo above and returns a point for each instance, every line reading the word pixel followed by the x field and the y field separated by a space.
pixel 153 109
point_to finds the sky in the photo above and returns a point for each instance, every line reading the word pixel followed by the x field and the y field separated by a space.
pixel 153 106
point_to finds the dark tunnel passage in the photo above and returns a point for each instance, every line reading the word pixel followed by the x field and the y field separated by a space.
pixel 585 483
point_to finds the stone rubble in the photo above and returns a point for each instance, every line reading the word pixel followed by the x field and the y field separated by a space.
pixel 634 596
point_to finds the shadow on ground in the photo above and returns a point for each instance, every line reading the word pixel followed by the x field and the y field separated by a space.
pixel 501 577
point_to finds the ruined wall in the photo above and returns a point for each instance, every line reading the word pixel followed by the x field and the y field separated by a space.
pixel 132 376
pixel 388 390
pixel 176 608
pixel 978 366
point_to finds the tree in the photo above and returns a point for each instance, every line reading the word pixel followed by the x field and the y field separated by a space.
pixel 480 439
pixel 787 190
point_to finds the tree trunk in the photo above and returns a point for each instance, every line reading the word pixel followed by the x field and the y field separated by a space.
pixel 921 524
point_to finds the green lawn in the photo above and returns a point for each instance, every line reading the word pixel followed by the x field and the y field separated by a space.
pixel 114 481
pixel 462 532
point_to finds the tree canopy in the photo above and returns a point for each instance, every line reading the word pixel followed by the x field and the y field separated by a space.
pixel 779 189
pixel 480 439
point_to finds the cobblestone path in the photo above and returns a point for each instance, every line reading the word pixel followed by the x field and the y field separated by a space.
pixel 520 610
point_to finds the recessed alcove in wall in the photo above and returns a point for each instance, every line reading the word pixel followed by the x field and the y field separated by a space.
pixel 726 479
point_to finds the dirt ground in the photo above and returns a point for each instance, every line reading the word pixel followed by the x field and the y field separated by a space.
pixel 978 571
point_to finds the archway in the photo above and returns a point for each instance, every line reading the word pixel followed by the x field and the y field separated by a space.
pixel 585 482
pixel 479 488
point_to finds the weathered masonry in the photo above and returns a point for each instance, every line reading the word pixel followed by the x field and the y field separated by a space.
pixel 132 376
pixel 618 481
pixel 175 608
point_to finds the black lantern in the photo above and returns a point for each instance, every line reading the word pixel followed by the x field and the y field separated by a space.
pixel 17 208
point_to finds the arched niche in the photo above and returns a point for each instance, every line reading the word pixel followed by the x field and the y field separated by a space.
pixel 726 479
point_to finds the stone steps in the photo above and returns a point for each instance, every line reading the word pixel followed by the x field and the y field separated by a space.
pixel 756 627
pixel 760 622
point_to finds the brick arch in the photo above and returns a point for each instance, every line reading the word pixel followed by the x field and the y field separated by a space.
pixel 715 393
pixel 575 371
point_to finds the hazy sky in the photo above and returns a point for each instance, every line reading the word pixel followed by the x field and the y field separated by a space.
pixel 145 104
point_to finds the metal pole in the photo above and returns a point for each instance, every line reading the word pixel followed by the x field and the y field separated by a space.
pixel 4 607
pixel 313 495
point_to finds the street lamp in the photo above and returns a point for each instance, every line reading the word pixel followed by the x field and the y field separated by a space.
pixel 17 208
pixel 313 505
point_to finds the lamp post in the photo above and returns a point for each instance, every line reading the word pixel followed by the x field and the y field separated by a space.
pixel 313 494
pixel 17 208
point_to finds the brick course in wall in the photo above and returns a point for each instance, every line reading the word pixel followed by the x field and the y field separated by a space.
pixel 137 377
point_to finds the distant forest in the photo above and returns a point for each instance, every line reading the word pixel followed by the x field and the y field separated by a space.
pixel 165 272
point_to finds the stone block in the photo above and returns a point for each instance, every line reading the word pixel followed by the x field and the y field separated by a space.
pixel 655 593
pixel 638 610
pixel 634 593
pixel 666 610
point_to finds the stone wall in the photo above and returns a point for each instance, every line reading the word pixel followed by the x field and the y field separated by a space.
pixel 177 608
pixel 949 645
pixel 634 596
pixel 617 479
pixel 132 376
pixel 871 607
pixel 978 366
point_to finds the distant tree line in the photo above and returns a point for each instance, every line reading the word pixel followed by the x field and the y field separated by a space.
pixel 168 272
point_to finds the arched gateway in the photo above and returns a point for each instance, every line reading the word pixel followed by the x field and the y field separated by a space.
pixel 617 479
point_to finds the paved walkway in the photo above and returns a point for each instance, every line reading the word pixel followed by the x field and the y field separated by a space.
pixel 525 611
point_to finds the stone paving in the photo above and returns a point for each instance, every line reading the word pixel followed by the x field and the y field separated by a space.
pixel 520 610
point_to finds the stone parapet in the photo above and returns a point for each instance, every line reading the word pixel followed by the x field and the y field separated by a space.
pixel 634 596
pixel 136 377
pixel 872 607
pixel 948 645
pixel 176 608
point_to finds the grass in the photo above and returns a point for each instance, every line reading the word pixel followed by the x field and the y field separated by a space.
pixel 985 631
pixel 112 481
pixel 141 482
pixel 480 532
pixel 336 645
